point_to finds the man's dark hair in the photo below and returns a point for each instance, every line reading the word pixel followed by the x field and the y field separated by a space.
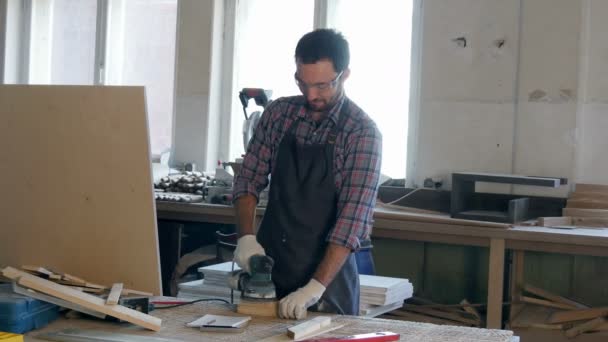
pixel 323 44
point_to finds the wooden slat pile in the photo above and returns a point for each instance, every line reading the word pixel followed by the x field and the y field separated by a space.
pixel 78 294
pixel 422 310
pixel 545 310
pixel 587 206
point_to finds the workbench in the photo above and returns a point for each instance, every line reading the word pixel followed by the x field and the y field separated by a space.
pixel 397 225
pixel 174 329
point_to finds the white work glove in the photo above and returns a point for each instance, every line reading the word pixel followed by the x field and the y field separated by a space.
pixel 295 304
pixel 246 247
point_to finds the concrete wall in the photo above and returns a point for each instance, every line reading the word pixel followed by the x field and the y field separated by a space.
pixel 535 105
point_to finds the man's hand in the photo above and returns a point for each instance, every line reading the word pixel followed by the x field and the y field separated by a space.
pixel 295 304
pixel 246 247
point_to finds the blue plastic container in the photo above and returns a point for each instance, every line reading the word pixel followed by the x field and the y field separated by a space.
pixel 20 314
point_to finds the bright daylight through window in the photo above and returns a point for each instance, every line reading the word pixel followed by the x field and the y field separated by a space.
pixel 379 34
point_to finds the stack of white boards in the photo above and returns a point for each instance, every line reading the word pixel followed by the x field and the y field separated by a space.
pixel 382 294
pixel 213 285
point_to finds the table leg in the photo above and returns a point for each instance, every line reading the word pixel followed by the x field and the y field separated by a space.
pixel 495 283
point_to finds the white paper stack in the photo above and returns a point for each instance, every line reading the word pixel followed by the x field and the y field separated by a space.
pixel 382 294
pixel 218 274
pixel 214 284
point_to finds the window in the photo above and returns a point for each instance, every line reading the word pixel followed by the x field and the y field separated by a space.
pixel 267 32
pixel 380 69
pixel 85 42
pixel 62 42
pixel 264 50
pixel 132 58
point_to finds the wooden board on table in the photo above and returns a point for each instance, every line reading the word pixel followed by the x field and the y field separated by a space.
pixel 76 175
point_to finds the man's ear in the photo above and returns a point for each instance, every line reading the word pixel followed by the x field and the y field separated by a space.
pixel 345 74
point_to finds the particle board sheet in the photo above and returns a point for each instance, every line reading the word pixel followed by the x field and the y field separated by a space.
pixel 174 327
pixel 77 184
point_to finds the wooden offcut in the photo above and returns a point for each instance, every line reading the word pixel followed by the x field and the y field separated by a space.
pixel 83 299
pixel 76 175
pixel 114 295
pixel 543 302
pixel 577 315
pixel 584 327
pixel 258 308
pixel 553 297
pixel 308 328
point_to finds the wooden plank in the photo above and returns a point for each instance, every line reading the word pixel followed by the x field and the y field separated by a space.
pixel 576 212
pixel 584 327
pixel 587 204
pixel 554 221
pixel 308 328
pixel 543 302
pixel 37 269
pixel 590 222
pixel 553 297
pixel 92 214
pixel 603 196
pixel 114 295
pixel 495 283
pixel 86 300
pixel 577 315
pixel 585 187
pixel 466 306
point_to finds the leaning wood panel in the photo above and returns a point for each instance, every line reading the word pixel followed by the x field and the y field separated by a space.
pixel 76 183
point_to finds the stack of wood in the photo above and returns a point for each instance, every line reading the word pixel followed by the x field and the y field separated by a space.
pixel 545 310
pixel 382 294
pixel 586 207
pixel 422 310
pixel 78 294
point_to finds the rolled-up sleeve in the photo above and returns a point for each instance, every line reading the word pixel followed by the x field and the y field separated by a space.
pixel 357 196
pixel 253 175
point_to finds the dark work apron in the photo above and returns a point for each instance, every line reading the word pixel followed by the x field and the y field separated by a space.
pixel 301 211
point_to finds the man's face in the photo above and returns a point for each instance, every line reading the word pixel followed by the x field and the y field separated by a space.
pixel 320 84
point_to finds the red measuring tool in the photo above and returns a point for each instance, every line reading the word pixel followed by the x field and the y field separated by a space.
pixel 372 337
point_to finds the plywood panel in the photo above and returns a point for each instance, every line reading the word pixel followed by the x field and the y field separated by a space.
pixel 76 182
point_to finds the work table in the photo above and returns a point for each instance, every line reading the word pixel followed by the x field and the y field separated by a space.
pixel 394 224
pixel 267 329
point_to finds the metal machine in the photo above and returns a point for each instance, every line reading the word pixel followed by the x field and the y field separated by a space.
pixel 262 98
pixel 258 285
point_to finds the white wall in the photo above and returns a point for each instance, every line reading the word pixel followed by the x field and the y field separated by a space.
pixel 538 105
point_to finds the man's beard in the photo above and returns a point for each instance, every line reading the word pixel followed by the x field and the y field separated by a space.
pixel 323 105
